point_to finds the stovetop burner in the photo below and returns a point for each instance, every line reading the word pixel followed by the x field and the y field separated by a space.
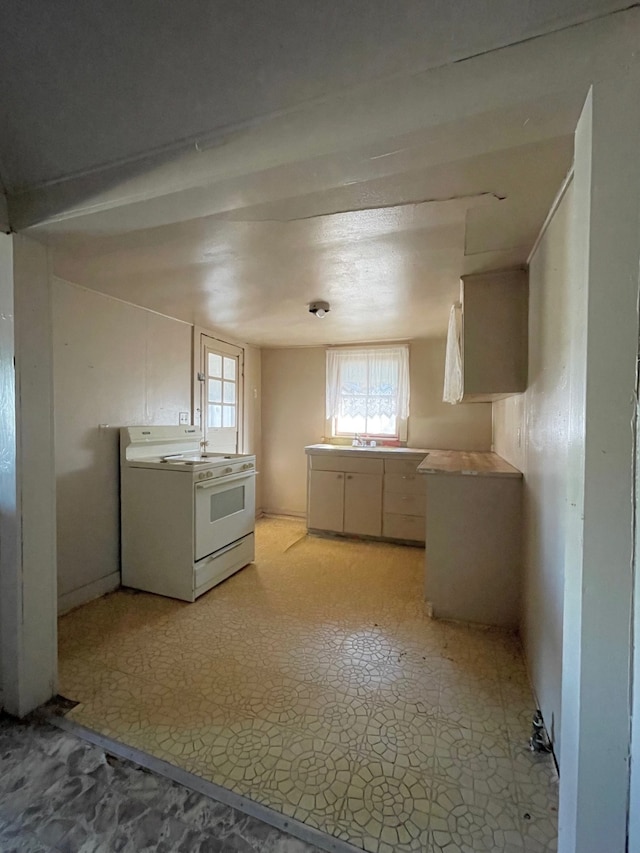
pixel 209 459
pixel 178 449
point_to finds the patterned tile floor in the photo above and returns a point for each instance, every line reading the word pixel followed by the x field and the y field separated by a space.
pixel 313 682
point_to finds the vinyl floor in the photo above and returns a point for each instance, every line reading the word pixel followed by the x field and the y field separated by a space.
pixel 314 682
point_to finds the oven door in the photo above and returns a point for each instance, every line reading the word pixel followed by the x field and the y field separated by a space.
pixel 225 511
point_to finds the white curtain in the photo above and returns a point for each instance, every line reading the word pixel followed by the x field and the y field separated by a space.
pixel 453 383
pixel 381 371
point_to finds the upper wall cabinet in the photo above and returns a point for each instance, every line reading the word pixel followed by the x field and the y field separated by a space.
pixel 487 343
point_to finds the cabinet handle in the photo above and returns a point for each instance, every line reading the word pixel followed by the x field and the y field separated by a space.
pixel 408 477
pixel 349 476
pixel 339 476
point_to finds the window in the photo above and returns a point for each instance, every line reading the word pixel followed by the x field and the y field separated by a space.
pixel 368 391
pixel 222 383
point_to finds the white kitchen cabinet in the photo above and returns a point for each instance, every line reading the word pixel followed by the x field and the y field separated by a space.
pixel 363 504
pixel 346 498
pixel 366 493
pixel 326 500
pixel 493 336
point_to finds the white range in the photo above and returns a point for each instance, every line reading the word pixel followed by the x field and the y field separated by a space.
pixel 187 517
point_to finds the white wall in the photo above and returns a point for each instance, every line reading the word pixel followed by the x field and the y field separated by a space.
pixel 28 638
pixel 578 423
pixel 293 415
pixel 8 519
pixel 531 432
pixel 634 794
pixel 114 364
pixel 599 557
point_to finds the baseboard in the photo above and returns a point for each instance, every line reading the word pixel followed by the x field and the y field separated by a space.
pixel 83 594
pixel 283 513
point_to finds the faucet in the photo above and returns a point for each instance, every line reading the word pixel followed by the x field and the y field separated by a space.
pixel 357 441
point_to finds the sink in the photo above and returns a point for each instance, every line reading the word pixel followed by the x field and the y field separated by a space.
pixel 379 448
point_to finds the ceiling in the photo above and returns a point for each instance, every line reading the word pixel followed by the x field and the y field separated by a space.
pixel 386 251
pixel 297 160
pixel 92 84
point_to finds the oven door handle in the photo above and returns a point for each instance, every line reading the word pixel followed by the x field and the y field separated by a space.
pixel 222 481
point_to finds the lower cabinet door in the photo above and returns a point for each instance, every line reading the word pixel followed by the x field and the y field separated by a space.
pixel 326 501
pixel 363 504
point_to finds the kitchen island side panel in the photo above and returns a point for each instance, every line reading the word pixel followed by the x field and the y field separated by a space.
pixel 473 553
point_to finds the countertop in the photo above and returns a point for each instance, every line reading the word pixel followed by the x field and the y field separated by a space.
pixel 467 463
pixel 377 451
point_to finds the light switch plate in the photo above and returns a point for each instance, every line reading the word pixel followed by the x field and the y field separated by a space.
pixel 184 418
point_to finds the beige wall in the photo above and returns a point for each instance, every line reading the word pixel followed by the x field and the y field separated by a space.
pixel 531 432
pixel 432 423
pixel 293 383
pixel 293 416
pixel 114 364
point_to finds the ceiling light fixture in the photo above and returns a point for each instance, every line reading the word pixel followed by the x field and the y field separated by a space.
pixel 320 309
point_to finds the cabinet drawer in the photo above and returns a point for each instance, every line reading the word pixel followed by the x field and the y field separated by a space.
pixel 405 504
pixel 401 466
pixel 348 464
pixel 405 484
pixel 403 527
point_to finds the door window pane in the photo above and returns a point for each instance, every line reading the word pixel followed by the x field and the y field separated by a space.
pixel 229 393
pixel 215 416
pixel 215 364
pixel 228 416
pixel 229 368
pixel 215 391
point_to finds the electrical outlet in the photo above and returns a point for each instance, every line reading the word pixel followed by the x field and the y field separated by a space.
pixel 184 418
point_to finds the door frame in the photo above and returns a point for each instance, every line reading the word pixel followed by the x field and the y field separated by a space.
pixel 198 388
pixel 28 571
